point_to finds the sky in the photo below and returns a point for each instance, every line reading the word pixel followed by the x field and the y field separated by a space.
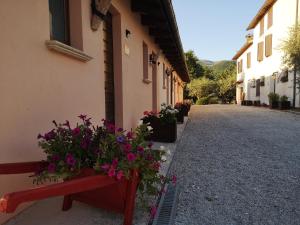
pixel 214 29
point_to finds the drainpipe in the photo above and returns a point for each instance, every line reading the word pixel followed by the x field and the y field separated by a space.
pixel 295 69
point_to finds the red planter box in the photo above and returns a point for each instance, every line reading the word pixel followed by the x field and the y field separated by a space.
pixel 96 190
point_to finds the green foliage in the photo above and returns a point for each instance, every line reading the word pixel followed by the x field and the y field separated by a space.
pixel 284 98
pixel 273 97
pixel 203 101
pixel 227 84
pixel 195 68
pixel 202 87
pixel 291 48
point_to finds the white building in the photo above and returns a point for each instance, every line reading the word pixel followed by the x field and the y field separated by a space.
pixel 259 61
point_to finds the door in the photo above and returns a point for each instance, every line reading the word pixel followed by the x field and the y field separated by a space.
pixel 109 69
pixel 257 87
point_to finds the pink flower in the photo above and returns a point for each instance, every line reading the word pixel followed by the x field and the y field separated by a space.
pixel 153 211
pixel 110 127
pixel 120 174
pixel 82 117
pixel 55 157
pixel 111 172
pixel 70 160
pixel 174 179
pixel 105 166
pixel 131 157
pixel 115 163
pixel 51 168
pixel 76 131
pixel 127 147
pixel 140 148
pixel 146 113
pixel 129 135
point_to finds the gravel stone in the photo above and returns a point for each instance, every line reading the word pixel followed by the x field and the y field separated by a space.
pixel 238 165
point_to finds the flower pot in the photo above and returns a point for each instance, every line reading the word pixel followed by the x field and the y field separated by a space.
pixel 162 131
pixel 256 103
pixel 284 105
pixel 273 105
pixel 180 117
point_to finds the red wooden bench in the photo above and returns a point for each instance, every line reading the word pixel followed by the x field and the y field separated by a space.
pixel 96 190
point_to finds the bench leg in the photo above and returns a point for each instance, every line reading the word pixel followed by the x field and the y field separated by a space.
pixel 67 204
pixel 130 199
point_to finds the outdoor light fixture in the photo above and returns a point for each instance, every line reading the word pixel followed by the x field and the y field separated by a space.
pixel 127 33
pixel 99 10
pixel 152 59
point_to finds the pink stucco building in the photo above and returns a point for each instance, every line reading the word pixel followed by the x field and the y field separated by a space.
pixel 55 65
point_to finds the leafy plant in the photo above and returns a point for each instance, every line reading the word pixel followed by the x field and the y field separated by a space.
pixel 284 98
pixel 107 149
pixel 273 97
pixel 167 114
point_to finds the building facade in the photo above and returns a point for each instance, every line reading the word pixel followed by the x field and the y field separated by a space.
pixel 63 58
pixel 260 70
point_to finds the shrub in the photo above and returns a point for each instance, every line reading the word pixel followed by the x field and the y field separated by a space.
pixel 203 101
pixel 213 100
pixel 273 97
pixel 284 98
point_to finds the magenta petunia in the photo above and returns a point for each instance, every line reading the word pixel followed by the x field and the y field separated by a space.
pixel 120 174
pixel 105 166
pixel 82 116
pixel 76 131
pixel 55 157
pixel 50 135
pixel 70 160
pixel 174 179
pixel 131 157
pixel 140 148
pixel 115 163
pixel 129 135
pixel 153 211
pixel 127 147
pixel 51 168
pixel 111 172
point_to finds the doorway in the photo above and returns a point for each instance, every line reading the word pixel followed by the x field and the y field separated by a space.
pixel 109 68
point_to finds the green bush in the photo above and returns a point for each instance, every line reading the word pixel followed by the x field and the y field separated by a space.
pixel 284 98
pixel 213 100
pixel 203 101
pixel 273 97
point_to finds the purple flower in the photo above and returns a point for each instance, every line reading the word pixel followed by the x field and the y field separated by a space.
pixel 120 139
pixel 85 143
pixel 88 122
pixel 105 166
pixel 140 149
pixel 127 147
pixel 111 172
pixel 120 129
pixel 131 157
pixel 55 157
pixel 70 160
pixel 82 117
pixel 67 124
pixel 76 131
pixel 120 174
pixel 110 127
pixel 129 135
pixel 51 168
pixel 50 135
pixel 40 136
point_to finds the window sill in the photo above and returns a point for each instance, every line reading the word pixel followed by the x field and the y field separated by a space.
pixel 67 50
pixel 147 81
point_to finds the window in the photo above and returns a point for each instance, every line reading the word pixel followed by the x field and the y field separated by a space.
pixel 258 88
pixel 269 45
pixel 59 21
pixel 260 51
pixel 248 60
pixel 262 26
pixel 240 66
pixel 270 17
pixel 164 76
pixel 145 61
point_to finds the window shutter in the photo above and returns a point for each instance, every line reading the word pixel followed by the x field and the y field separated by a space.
pixel 248 60
pixel 269 45
pixel 260 51
pixel 270 17
pixel 145 61
pixel 258 87
pixel 59 20
pixel 262 26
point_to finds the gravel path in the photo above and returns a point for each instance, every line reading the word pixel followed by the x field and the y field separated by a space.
pixel 239 165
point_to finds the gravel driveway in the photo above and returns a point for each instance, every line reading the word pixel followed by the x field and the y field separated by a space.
pixel 239 165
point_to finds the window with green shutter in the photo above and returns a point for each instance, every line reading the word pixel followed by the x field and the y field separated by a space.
pixel 59 21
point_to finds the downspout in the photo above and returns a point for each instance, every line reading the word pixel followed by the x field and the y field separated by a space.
pixel 295 69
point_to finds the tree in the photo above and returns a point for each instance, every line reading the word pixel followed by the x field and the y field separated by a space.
pixel 202 87
pixel 291 48
pixel 196 70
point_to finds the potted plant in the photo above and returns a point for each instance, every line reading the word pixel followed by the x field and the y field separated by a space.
pixel 273 100
pixel 284 103
pixel 188 104
pixel 182 111
pixel 257 103
pixel 163 124
pixel 101 166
